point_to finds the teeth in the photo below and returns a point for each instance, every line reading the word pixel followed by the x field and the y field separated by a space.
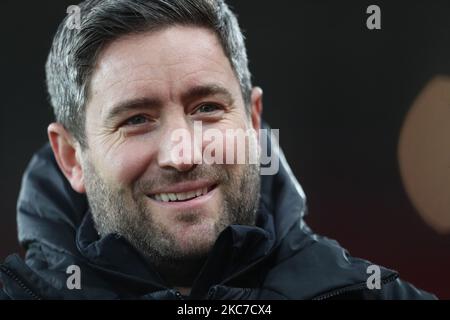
pixel 167 197
pixel 172 196
pixel 191 195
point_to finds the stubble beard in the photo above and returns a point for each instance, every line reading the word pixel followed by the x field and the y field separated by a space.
pixel 122 212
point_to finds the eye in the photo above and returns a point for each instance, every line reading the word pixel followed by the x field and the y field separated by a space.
pixel 208 108
pixel 136 120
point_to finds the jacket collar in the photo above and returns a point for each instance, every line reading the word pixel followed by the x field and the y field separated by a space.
pixel 237 249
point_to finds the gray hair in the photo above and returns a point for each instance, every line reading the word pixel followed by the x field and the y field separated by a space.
pixel 74 52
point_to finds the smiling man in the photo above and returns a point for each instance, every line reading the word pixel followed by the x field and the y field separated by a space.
pixel 172 212
pixel 135 221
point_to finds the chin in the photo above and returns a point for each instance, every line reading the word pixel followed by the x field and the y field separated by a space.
pixel 197 239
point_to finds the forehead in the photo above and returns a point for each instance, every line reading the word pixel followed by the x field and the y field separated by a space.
pixel 162 63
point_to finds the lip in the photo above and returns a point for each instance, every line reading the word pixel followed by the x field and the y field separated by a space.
pixel 188 204
pixel 184 187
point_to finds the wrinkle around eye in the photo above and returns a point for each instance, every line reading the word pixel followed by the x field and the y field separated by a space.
pixel 128 132
pixel 111 140
pixel 143 125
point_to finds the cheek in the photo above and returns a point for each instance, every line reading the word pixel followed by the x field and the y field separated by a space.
pixel 228 141
pixel 127 162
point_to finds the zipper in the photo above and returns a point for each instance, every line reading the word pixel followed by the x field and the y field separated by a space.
pixel 247 268
pixel 211 293
pixel 356 287
pixel 212 290
pixel 179 295
pixel 244 270
pixel 21 284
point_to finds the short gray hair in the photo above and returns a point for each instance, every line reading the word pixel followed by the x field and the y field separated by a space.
pixel 74 52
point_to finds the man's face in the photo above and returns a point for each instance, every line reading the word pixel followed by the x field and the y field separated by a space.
pixel 143 88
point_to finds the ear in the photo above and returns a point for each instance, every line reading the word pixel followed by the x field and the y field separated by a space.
pixel 68 155
pixel 256 108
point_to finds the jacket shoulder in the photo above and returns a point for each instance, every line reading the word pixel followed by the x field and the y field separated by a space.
pixel 315 267
pixel 402 290
pixel 395 290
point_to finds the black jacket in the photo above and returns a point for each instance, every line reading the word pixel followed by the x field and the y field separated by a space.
pixel 281 258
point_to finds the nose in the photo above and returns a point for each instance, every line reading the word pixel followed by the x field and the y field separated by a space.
pixel 178 148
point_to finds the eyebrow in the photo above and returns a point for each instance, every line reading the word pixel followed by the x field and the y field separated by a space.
pixel 132 105
pixel 203 91
pixel 192 94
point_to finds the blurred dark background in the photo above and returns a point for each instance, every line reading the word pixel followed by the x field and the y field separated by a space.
pixel 337 91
